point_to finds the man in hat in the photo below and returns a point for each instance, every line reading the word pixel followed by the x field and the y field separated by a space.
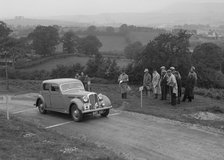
pixel 163 84
pixel 123 83
pixel 189 87
pixel 82 77
pixel 147 81
pixel 172 83
pixel 156 83
pixel 179 85
pixel 77 76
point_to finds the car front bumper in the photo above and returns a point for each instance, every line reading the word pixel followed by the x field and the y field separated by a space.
pixel 96 110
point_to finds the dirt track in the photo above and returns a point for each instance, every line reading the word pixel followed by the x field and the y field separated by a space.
pixel 135 135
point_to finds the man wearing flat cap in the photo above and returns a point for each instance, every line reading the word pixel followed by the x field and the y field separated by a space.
pixel 147 81
pixel 123 83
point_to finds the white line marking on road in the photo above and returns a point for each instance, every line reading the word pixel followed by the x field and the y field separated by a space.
pixel 114 114
pixel 23 111
pixel 60 124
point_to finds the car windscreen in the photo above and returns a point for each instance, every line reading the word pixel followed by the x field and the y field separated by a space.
pixel 71 86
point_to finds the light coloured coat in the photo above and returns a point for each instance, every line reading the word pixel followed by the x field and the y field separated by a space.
pixel 156 83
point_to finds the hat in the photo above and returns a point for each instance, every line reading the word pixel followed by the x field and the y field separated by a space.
pixel 163 67
pixel 163 71
pixel 146 70
pixel 168 70
pixel 172 68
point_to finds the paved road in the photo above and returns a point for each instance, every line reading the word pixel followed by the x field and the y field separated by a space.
pixel 135 135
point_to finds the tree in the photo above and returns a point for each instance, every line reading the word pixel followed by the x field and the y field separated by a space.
pixel 70 42
pixel 110 30
pixel 90 45
pixel 165 50
pixel 208 59
pixel 123 29
pixel 93 65
pixel 44 39
pixel 6 43
pixel 133 50
pixel 91 30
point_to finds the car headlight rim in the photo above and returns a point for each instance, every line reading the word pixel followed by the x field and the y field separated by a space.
pixel 85 99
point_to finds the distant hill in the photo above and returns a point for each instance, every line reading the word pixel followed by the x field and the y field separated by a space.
pixel 180 13
pixel 35 22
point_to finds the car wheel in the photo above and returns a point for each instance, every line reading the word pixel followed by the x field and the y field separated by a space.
pixel 76 113
pixel 41 108
pixel 105 113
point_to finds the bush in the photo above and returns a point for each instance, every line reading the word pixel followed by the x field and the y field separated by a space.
pixel 35 75
pixel 63 71
pixel 211 92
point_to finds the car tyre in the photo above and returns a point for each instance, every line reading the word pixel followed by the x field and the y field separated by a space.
pixel 41 108
pixel 76 113
pixel 105 113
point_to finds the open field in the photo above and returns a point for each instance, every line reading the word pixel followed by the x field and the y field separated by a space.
pixel 114 44
pixel 22 140
pixel 182 112
pixel 67 61
pixel 143 37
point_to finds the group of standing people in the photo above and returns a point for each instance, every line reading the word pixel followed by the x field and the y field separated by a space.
pixel 170 82
pixel 167 82
pixel 85 80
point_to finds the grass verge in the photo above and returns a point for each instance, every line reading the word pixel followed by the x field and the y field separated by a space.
pixel 21 140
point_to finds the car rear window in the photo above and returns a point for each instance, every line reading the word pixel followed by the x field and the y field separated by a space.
pixel 46 86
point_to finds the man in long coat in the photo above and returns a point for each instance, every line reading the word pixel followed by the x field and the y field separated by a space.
pixel 123 83
pixel 147 81
pixel 172 83
pixel 179 85
pixel 156 83
pixel 163 84
pixel 189 88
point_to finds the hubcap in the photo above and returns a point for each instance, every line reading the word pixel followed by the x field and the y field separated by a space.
pixel 41 107
pixel 76 113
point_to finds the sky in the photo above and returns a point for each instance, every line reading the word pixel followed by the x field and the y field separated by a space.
pixel 47 8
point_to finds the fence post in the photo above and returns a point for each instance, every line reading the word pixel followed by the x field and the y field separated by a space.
pixel 141 89
pixel 7 108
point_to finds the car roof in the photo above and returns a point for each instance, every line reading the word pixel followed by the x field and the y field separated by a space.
pixel 61 80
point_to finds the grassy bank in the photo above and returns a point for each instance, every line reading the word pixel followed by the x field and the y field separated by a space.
pixel 21 140
pixel 202 103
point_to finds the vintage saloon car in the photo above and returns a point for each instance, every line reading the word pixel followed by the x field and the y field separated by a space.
pixel 68 95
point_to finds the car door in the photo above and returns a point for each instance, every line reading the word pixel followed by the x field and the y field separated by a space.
pixel 57 100
pixel 46 94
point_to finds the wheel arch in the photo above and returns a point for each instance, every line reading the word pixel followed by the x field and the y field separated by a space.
pixel 40 98
pixel 106 100
pixel 77 102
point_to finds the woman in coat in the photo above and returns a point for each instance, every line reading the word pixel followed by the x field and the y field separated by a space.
pixel 147 81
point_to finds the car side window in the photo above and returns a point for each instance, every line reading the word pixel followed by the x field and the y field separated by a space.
pixel 46 87
pixel 54 88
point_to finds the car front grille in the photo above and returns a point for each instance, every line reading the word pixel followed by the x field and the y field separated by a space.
pixel 93 99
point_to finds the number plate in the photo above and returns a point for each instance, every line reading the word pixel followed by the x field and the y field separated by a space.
pixel 95 113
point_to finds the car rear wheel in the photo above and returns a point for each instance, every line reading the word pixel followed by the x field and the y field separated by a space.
pixel 105 113
pixel 41 108
pixel 76 113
